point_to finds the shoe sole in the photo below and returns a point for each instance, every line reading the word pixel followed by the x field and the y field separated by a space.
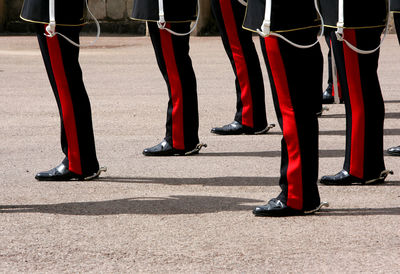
pixel 291 212
pixel 393 154
pixel 260 132
pixel 175 152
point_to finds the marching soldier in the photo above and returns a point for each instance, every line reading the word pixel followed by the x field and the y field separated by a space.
pixel 250 117
pixel 169 26
pixel 296 81
pixel 62 65
pixel 355 33
pixel 395 8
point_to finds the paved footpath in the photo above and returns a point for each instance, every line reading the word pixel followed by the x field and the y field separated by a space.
pixel 177 214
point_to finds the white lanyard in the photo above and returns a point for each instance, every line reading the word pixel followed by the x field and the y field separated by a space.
pixel 51 27
pixel 242 2
pixel 161 22
pixel 340 23
pixel 340 33
pixel 266 26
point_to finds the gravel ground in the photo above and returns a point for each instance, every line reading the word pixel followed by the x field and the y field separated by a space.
pixel 177 214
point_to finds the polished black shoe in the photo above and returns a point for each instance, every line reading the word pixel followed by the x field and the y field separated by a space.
pixel 236 128
pixel 343 178
pixel 394 151
pixel 62 173
pixel 276 208
pixel 165 149
pixel 327 97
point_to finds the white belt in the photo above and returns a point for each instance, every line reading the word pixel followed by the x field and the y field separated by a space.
pixel 266 26
pixel 162 24
pixel 340 33
pixel 51 27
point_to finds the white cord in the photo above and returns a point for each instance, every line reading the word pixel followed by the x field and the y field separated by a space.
pixel 266 31
pixel 50 29
pixel 161 23
pixel 244 3
pixel 340 32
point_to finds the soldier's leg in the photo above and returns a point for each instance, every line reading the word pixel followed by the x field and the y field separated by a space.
pixel 396 19
pixel 239 46
pixel 172 53
pixel 327 96
pixel 296 81
pixel 395 151
pixel 364 108
pixel 62 65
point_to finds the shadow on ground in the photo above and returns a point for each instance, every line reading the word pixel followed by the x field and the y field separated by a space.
pixel 269 154
pixel 388 115
pixel 213 181
pixel 395 131
pixel 172 205
pixel 360 211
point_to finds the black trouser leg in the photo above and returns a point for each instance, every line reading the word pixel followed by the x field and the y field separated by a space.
pixel 62 65
pixel 363 101
pixel 172 53
pixel 296 81
pixel 330 77
pixel 396 17
pixel 239 46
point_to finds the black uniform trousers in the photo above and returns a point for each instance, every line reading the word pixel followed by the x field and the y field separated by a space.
pixel 296 82
pixel 363 101
pixel 65 75
pixel 396 17
pixel 172 53
pixel 239 46
pixel 329 59
pixel 330 74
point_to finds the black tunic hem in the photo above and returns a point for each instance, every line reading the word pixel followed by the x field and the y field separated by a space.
pixel 283 31
pixel 350 27
pixel 155 21
pixel 57 24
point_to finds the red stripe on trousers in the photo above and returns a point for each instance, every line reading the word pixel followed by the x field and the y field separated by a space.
pixel 289 128
pixel 240 62
pixel 357 106
pixel 176 89
pixel 74 158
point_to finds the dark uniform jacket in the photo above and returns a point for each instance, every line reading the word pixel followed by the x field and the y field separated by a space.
pixel 174 10
pixel 395 5
pixel 357 13
pixel 67 12
pixel 287 15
